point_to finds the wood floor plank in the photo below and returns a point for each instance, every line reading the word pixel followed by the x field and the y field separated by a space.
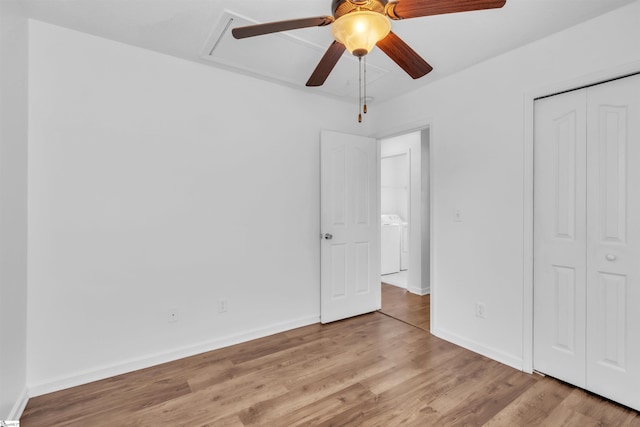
pixel 405 306
pixel 232 421
pixel 411 375
pixel 323 410
pixel 534 405
pixel 325 383
pixel 371 370
pixel 277 364
pixel 490 395
pixel 597 410
pixel 344 368
pixel 405 411
pixel 211 405
pixel 64 406
pixel 396 401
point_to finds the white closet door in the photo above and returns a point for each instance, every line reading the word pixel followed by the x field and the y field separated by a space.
pixel 613 241
pixel 559 236
pixel 587 239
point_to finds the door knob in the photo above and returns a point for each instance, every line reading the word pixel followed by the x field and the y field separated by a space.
pixel 328 236
pixel 611 257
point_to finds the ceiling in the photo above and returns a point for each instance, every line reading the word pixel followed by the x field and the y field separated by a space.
pixel 191 29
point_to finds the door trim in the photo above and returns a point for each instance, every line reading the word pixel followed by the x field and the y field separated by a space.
pixel 528 146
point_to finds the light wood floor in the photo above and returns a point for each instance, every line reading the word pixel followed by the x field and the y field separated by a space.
pixel 405 306
pixel 370 370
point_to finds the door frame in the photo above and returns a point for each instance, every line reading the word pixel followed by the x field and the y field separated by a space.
pixel 402 129
pixel 615 72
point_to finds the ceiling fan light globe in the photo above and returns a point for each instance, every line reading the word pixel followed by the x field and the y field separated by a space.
pixel 360 30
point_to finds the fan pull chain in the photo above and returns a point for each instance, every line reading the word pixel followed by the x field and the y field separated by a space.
pixel 359 89
pixel 364 109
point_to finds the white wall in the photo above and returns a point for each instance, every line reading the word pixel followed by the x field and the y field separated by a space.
pixel 477 149
pixel 411 144
pixel 156 184
pixel 13 208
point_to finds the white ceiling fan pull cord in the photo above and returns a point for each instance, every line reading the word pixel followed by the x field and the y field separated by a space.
pixel 364 100
pixel 360 89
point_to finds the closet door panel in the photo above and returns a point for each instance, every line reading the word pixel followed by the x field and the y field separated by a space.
pixel 559 236
pixel 613 240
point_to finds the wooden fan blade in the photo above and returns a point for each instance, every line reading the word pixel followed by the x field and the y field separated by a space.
pixel 404 56
pixel 275 27
pixel 415 8
pixel 326 64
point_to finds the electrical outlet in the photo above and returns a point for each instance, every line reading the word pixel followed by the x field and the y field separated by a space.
pixel 172 315
pixel 223 305
pixel 480 310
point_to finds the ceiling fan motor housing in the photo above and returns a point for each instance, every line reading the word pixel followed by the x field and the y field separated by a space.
pixel 342 7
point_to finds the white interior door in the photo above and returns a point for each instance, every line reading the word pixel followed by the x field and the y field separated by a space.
pixel 587 239
pixel 560 236
pixel 613 241
pixel 350 224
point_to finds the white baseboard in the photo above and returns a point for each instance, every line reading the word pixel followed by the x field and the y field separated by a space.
pixel 164 357
pixel 419 291
pixel 18 407
pixel 491 353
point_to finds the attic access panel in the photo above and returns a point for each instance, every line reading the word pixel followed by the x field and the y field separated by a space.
pixel 282 57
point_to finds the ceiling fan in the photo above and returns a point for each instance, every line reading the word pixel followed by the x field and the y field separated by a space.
pixel 359 25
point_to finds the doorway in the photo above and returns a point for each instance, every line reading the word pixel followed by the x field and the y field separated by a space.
pixel 394 226
pixel 405 226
